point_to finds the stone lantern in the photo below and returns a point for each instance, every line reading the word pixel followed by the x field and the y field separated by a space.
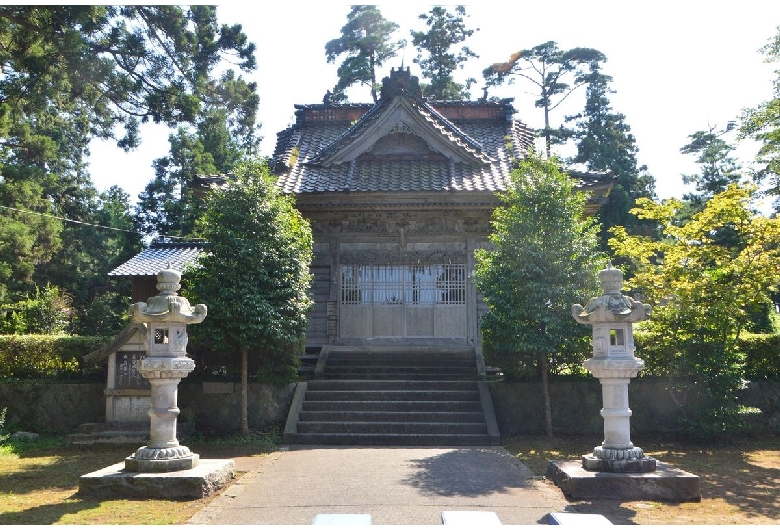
pixel 166 317
pixel 612 316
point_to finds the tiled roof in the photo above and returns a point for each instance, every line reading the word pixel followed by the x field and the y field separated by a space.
pixel 158 257
pixel 425 111
pixel 496 143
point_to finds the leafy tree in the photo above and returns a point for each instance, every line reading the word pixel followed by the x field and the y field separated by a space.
pixel 255 276
pixel 437 62
pixel 605 143
pixel 46 312
pixel 762 123
pixel 545 258
pixel 555 72
pixel 702 291
pixel 103 239
pixel 366 41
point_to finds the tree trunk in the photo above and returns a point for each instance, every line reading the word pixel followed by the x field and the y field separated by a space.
pixel 546 393
pixel 371 59
pixel 546 123
pixel 244 391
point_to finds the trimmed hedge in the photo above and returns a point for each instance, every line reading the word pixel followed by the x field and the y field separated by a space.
pixel 761 356
pixel 49 357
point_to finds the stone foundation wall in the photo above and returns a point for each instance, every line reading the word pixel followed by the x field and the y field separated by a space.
pixel 656 404
pixel 60 408
pixel 217 406
pixel 52 408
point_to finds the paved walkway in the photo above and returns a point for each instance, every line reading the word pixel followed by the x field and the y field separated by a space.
pixel 400 485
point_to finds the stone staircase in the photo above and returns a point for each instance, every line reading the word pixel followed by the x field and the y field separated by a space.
pixel 121 433
pixel 379 396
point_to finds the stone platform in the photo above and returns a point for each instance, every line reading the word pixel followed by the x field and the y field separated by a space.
pixel 666 483
pixel 114 481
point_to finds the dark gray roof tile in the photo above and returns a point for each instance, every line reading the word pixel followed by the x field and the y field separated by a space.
pixel 152 260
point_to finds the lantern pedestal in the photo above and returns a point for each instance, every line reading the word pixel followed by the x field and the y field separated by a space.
pixel 162 468
pixel 665 483
pixel 617 469
pixel 616 454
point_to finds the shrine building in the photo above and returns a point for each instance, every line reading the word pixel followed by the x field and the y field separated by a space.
pixel 399 195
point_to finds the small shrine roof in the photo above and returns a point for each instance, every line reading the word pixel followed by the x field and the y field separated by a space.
pixel 162 254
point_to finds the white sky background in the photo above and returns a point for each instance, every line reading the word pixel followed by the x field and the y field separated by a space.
pixel 677 67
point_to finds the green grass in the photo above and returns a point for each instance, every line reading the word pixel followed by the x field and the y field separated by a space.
pixel 39 480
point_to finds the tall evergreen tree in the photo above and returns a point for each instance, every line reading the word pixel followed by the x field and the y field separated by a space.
pixel 556 74
pixel 762 123
pixel 75 73
pixel 605 143
pixel 168 206
pixel 366 41
pixel 718 168
pixel 437 62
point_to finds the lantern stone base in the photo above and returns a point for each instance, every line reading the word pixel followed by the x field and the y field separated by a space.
pixel 642 465
pixel 148 460
pixel 116 482
pixel 666 483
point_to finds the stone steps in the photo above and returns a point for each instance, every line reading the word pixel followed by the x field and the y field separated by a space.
pixel 419 397
pixel 438 440
pixel 389 416
pixel 121 433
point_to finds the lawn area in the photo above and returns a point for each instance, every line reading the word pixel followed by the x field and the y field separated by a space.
pixel 39 482
pixel 740 480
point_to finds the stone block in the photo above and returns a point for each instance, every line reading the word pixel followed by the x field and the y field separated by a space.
pixel 666 483
pixel 342 519
pixel 114 482
pixel 213 387
pixel 470 519
pixel 578 519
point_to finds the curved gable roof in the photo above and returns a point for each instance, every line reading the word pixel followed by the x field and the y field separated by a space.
pixel 403 114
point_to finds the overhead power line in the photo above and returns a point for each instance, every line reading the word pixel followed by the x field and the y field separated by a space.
pixel 81 222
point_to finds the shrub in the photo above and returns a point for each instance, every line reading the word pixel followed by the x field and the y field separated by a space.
pixel 49 356
pixel 759 356
pixel 762 357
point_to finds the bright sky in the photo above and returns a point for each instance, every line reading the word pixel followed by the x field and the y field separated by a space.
pixel 678 67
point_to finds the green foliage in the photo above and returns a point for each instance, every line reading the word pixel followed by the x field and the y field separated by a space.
pixel 263 441
pixel 556 74
pixel 605 143
pixel 762 124
pixel 26 240
pixel 762 356
pixel 49 357
pixel 544 259
pixel 366 41
pixel 75 73
pixel 718 167
pixel 702 290
pixel 47 312
pixel 255 276
pixel 445 30
pixel 168 205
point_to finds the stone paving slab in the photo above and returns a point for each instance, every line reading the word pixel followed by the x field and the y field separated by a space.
pixel 399 485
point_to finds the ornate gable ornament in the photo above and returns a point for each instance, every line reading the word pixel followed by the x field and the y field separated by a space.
pixel 401 110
